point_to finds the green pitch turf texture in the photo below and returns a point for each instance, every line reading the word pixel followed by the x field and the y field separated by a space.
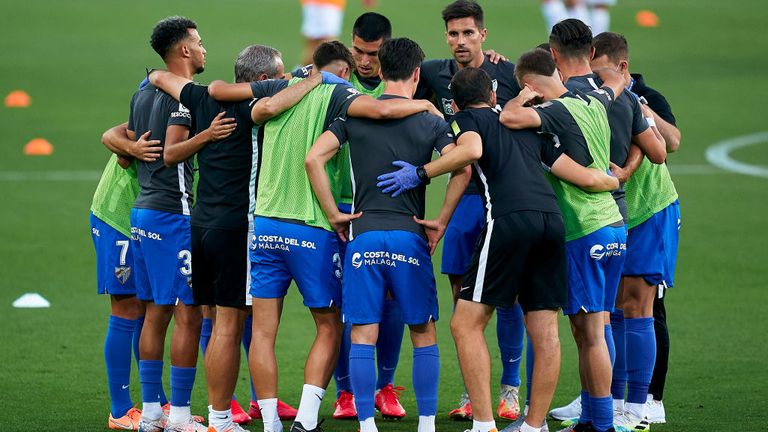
pixel 81 60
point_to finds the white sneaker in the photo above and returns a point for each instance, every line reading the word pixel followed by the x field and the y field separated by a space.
pixel 572 410
pixel 654 411
pixel 517 424
pixel 626 421
pixel 188 426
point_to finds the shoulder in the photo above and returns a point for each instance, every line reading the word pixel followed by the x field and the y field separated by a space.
pixel 434 65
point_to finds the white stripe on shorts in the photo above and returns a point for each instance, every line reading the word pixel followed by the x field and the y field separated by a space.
pixel 477 293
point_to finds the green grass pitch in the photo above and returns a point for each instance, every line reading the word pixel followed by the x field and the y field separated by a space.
pixel 81 60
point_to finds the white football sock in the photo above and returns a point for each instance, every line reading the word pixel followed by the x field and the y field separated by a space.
pixel 268 408
pixel 478 426
pixel 151 411
pixel 528 428
pixel 635 409
pixel 426 424
pixel 618 405
pixel 601 20
pixel 179 414
pixel 311 397
pixel 221 420
pixel 368 425
pixel 554 12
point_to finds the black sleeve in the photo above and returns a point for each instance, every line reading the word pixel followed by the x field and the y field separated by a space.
pixel 639 124
pixel 463 122
pixel 442 132
pixel 267 88
pixel 550 150
pixel 555 118
pixel 339 128
pixel 423 90
pixel 192 96
pixel 302 71
pixel 341 97
pixel 604 95
pixel 178 114
pixel 131 122
pixel 658 103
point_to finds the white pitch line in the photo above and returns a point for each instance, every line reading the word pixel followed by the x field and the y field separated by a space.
pixel 718 154
pixel 49 176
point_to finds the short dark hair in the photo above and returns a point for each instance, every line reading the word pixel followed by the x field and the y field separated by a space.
pixel 571 38
pixel 329 52
pixel 464 9
pixel 471 86
pixel 255 60
pixel 399 58
pixel 168 32
pixel 372 26
pixel 534 62
pixel 544 46
pixel 613 45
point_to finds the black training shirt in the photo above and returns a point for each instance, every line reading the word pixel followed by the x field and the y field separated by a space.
pixel 509 173
pixel 373 146
pixel 656 100
pixel 164 188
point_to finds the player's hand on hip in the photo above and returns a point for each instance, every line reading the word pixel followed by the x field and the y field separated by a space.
pixel 399 181
pixel 494 57
pixel 434 231
pixel 221 127
pixel 146 150
pixel 340 223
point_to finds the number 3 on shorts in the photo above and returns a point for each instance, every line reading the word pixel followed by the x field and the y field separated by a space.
pixel 186 267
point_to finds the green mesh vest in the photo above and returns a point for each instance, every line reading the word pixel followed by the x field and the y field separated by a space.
pixel 648 191
pixel 284 189
pixel 343 175
pixel 114 196
pixel 586 212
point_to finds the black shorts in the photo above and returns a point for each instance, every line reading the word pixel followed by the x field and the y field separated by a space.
pixel 519 257
pixel 220 266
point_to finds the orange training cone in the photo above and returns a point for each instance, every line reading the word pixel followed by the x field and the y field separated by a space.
pixel 18 99
pixel 646 18
pixel 38 147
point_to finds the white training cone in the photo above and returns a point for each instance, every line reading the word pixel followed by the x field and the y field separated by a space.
pixel 31 300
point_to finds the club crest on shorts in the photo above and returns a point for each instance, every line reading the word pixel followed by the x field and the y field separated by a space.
pixel 123 273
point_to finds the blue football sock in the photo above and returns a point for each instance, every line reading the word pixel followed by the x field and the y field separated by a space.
pixel 391 331
pixel 117 356
pixel 426 375
pixel 182 382
pixel 586 408
pixel 619 382
pixel 151 376
pixel 602 413
pixel 611 346
pixel 510 332
pixel 247 335
pixel 137 336
pixel 341 373
pixel 205 333
pixel 528 368
pixel 641 357
pixel 362 370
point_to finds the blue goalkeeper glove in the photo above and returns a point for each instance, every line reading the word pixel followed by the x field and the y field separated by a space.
pixel 329 78
pixel 400 181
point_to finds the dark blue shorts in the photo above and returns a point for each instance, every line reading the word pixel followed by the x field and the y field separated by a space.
pixel 652 247
pixel 162 255
pixel 114 259
pixel 398 262
pixel 594 270
pixel 461 235
pixel 282 252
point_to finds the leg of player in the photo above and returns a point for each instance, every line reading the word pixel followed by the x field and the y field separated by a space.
pixel 467 325
pixel 184 351
pixel 391 329
pixel 206 330
pixel 261 358
pixel 510 332
pixel 654 405
pixel 362 370
pixel 637 303
pixel 600 18
pixel 595 365
pixel 117 358
pixel 577 9
pixel 344 407
pixel 553 11
pixel 151 347
pixel 542 328
pixel 222 362
pixel 319 366
pixel 426 373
